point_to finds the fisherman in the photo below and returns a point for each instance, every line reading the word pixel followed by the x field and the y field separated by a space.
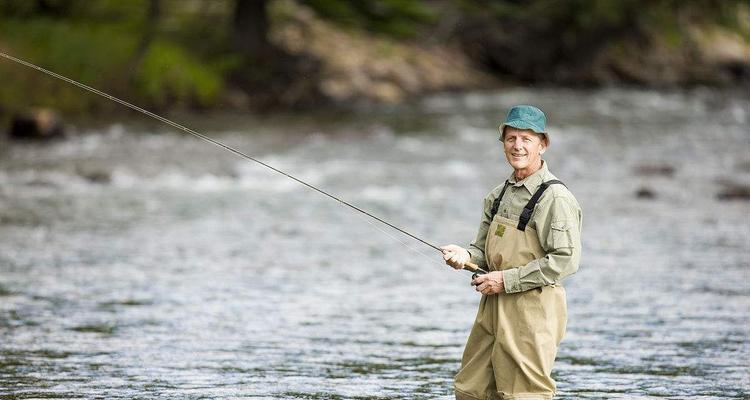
pixel 529 240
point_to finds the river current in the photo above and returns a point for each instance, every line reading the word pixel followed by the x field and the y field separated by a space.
pixel 140 262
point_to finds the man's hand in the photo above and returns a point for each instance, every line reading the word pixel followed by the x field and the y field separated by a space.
pixel 455 256
pixel 490 283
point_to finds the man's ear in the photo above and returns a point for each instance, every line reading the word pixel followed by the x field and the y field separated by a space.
pixel 545 143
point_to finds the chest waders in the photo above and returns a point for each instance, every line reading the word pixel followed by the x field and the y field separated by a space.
pixel 514 340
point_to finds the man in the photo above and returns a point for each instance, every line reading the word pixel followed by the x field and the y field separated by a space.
pixel 529 240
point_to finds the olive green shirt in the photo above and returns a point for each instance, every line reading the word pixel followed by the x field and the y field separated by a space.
pixel 557 219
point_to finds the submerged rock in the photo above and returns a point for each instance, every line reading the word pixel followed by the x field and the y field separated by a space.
pixel 734 191
pixel 645 193
pixel 655 170
pixel 744 166
pixel 38 124
pixel 95 175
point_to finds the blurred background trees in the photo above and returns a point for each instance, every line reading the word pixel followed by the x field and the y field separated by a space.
pixel 283 53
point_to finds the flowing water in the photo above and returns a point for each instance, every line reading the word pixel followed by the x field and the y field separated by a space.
pixel 139 262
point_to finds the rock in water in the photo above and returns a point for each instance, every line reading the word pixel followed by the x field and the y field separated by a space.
pixel 38 124
pixel 655 170
pixel 734 191
pixel 645 193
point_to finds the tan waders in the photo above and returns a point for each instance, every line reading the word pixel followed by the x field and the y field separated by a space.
pixel 512 346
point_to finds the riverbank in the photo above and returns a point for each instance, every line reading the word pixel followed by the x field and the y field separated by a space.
pixel 181 59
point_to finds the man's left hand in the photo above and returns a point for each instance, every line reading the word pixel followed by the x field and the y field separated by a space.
pixel 490 283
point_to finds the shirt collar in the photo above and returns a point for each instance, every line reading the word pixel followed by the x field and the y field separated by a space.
pixel 533 181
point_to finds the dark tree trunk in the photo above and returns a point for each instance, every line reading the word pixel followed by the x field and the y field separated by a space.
pixel 271 76
pixel 250 30
pixel 149 30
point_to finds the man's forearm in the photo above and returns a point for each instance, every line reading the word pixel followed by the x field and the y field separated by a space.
pixel 548 270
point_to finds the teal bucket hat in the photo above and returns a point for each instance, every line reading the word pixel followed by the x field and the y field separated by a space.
pixel 525 117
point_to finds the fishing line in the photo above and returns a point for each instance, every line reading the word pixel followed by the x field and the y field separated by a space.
pixel 414 249
pixel 224 146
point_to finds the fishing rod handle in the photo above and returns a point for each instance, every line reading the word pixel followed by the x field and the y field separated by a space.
pixel 475 269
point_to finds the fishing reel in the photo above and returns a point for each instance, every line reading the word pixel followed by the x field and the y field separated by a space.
pixel 475 269
pixel 476 274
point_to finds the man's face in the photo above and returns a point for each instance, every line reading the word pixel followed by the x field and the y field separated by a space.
pixel 523 149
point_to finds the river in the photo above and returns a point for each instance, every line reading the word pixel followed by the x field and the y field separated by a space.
pixel 139 262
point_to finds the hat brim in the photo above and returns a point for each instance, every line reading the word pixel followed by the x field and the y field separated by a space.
pixel 522 125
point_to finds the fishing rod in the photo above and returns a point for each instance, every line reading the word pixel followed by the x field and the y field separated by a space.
pixel 468 266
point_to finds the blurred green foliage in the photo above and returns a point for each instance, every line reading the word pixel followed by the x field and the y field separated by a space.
pixel 182 54
pixel 169 74
pixel 574 17
pixel 91 53
pixel 398 18
pixel 97 43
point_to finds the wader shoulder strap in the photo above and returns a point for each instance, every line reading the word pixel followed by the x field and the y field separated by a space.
pixel 528 209
pixel 496 203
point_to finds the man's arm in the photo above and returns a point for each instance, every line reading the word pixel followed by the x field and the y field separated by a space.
pixel 558 226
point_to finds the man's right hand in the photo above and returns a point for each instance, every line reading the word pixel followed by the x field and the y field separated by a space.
pixel 455 256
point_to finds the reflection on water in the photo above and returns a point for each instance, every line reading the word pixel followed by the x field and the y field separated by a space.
pixel 135 264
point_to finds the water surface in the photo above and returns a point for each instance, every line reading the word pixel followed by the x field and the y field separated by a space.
pixel 138 262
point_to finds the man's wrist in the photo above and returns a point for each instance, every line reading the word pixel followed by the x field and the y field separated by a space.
pixel 511 280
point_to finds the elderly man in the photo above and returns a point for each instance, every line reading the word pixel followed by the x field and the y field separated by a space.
pixel 529 240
